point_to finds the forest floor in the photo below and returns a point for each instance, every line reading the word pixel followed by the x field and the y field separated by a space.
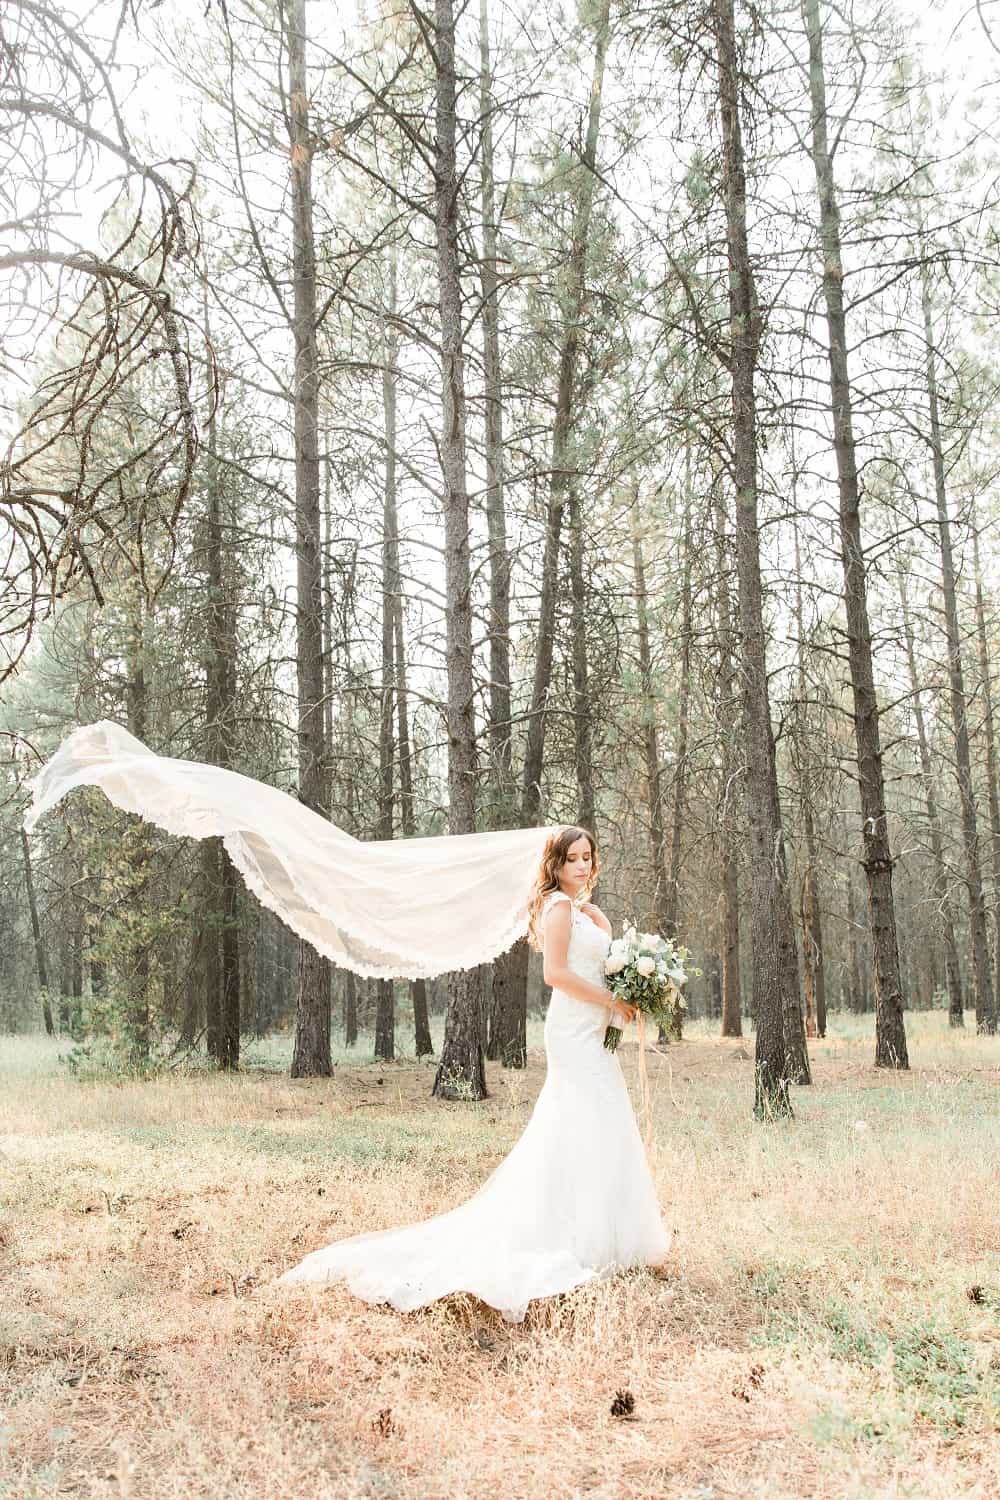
pixel 829 1325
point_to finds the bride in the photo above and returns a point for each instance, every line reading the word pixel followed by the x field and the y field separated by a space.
pixel 574 1200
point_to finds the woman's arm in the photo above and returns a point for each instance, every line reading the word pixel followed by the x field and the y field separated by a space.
pixel 556 969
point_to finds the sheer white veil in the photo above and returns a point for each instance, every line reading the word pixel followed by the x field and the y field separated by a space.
pixel 407 908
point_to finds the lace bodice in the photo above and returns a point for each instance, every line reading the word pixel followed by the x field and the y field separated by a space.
pixel 588 943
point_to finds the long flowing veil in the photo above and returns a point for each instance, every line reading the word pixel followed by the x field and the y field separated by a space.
pixel 400 908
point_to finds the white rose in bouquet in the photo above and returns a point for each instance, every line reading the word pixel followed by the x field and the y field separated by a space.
pixel 645 970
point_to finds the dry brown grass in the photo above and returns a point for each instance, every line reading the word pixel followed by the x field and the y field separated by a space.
pixel 814 1337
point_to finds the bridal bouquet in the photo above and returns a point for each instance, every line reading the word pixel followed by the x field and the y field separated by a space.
pixel 647 971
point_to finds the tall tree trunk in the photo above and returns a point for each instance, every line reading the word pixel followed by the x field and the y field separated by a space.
pixel 658 843
pixel 385 1016
pixel 729 977
pixel 350 1009
pixel 664 852
pixel 207 944
pixel 890 1034
pixel 331 646
pixel 582 710
pixel 510 972
pixel 385 1021
pixel 508 1039
pixel 502 808
pixel 507 1023
pixel 942 895
pixel 561 477
pixel 679 807
pixel 812 953
pixel 728 841
pixel 993 788
pixel 796 1049
pixel 812 921
pixel 220 943
pixel 327 623
pixel 41 968
pixel 76 975
pixel 461 1073
pixel 137 977
pixel 418 988
pixel 350 978
pixel 96 963
pixel 771 1078
pixel 311 1055
pixel 858 969
pixel 986 1015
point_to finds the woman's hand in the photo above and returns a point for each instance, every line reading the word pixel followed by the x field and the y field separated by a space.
pixel 622 1013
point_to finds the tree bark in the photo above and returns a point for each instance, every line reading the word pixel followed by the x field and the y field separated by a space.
pixel 350 1005
pixel 561 477
pixel 137 957
pixel 76 974
pixel 418 988
pixel 993 787
pixel 812 941
pixel 502 807
pixel 461 1073
pixel 507 1040
pixel 311 1055
pixel 985 1000
pixel 858 968
pixel 385 1015
pixel 510 972
pixel 665 848
pixel 350 1009
pixel 220 944
pixel 942 895
pixel 658 845
pixel 771 1097
pixel 582 709
pixel 890 1034
pixel 674 1031
pixel 729 954
pixel 41 968
pixel 812 921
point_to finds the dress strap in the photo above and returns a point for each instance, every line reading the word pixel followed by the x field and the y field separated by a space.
pixel 553 899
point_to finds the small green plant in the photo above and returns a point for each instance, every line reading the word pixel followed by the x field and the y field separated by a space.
pixel 934 1371
pixel 850 1339
pixel 452 1085
pixel 103 1057
pixel 939 1370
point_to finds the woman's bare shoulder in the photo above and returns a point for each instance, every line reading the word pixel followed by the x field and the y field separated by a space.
pixel 558 908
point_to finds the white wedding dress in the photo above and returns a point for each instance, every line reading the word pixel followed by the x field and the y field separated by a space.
pixel 573 1201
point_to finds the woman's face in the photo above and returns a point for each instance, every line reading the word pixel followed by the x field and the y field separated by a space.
pixel 576 868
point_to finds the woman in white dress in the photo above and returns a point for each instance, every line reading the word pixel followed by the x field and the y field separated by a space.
pixel 574 1200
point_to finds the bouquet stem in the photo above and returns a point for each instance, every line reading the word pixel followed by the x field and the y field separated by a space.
pixel 612 1037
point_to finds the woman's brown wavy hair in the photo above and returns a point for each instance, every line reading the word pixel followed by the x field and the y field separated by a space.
pixel 547 879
